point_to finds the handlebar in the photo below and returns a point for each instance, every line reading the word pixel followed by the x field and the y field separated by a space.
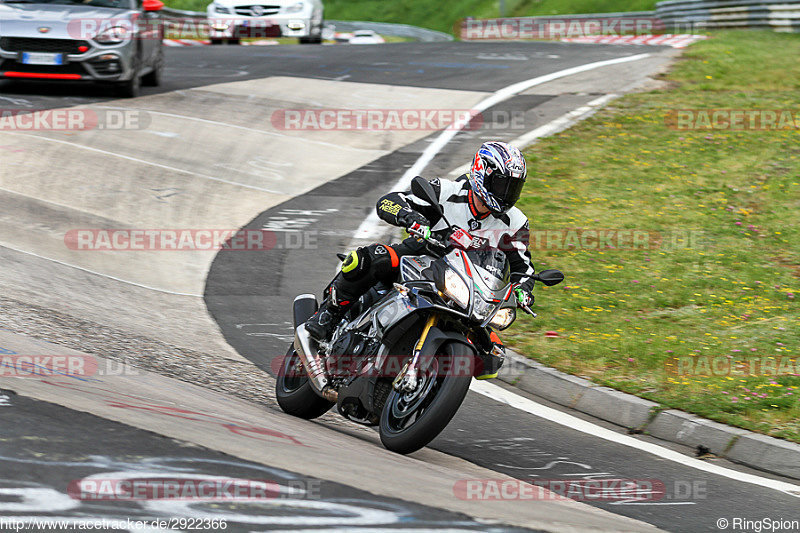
pixel 430 239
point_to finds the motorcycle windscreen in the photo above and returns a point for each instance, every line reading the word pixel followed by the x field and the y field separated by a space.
pixel 493 268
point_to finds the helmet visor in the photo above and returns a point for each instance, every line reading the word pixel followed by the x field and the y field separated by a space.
pixel 504 188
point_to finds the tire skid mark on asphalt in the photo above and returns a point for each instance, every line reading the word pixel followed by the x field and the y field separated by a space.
pixel 120 400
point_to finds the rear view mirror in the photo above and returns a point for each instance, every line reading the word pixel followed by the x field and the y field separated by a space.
pixel 550 277
pixel 422 188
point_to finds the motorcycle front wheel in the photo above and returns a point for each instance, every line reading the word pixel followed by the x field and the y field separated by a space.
pixel 410 420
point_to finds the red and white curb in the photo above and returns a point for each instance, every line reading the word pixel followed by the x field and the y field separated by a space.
pixel 194 42
pixel 185 42
pixel 676 41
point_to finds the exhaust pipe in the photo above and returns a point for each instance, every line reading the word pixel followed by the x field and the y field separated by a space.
pixel 330 395
pixel 312 362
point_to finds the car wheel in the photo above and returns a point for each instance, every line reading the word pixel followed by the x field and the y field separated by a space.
pixel 153 78
pixel 130 88
pixel 313 39
pixel 216 42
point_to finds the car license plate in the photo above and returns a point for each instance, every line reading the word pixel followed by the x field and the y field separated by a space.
pixel 40 58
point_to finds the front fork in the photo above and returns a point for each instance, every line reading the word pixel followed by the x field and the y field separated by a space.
pixel 406 380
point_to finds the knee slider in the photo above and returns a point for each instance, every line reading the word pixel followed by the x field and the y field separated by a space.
pixel 356 264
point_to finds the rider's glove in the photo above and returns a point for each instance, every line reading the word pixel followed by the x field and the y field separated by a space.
pixel 524 297
pixel 418 230
pixel 415 223
pixel 408 217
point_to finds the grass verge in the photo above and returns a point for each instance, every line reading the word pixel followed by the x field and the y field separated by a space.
pixel 718 276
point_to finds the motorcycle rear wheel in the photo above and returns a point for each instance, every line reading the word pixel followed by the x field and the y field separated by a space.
pixel 294 392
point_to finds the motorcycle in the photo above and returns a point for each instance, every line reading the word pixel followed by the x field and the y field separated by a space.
pixel 436 316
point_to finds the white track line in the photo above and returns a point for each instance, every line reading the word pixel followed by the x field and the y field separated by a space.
pixel 561 123
pixel 511 399
pixel 371 229
pixel 151 163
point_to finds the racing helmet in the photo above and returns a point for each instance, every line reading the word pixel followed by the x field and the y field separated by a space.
pixel 497 175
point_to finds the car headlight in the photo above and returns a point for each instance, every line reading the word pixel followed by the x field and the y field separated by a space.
pixel 218 8
pixel 504 318
pixel 114 35
pixel 455 288
pixel 294 8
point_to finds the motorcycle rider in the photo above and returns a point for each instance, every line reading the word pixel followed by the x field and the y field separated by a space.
pixel 481 202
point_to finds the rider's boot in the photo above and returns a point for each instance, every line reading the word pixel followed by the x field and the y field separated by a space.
pixel 333 307
pixel 321 325
pixel 350 283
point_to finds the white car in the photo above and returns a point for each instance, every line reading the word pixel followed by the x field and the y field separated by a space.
pixel 232 20
pixel 366 37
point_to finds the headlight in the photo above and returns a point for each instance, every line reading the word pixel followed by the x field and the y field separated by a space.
pixel 504 318
pixel 294 8
pixel 455 288
pixel 221 9
pixel 482 309
pixel 114 35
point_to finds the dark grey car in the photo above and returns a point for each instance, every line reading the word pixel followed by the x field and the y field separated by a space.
pixel 113 41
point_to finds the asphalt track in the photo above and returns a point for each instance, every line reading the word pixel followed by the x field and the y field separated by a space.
pixel 248 294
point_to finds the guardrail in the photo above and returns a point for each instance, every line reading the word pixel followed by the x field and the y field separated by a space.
pixel 383 28
pixel 700 14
